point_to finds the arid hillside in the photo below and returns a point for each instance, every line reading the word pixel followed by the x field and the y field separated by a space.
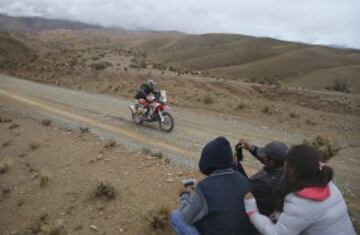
pixel 223 56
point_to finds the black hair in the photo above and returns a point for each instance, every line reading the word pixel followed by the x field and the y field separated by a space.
pixel 306 163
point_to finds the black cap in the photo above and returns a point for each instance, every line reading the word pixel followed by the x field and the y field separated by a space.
pixel 275 150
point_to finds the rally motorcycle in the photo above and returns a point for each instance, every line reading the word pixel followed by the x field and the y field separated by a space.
pixel 153 109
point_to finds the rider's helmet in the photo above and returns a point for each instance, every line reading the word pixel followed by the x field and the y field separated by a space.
pixel 151 83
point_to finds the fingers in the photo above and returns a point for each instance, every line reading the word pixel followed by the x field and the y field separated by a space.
pixel 249 195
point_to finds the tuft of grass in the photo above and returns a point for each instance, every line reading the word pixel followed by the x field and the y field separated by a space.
pixel 34 146
pixel 109 144
pixel 241 106
pixel 157 219
pixel 5 120
pixel 4 167
pixel 159 155
pixel 6 143
pixel 146 151
pixel 100 66
pixel 266 110
pixel 13 126
pixel 341 85
pixel 293 115
pixel 43 180
pixel 46 122
pixel 208 100
pixel 105 190
pixel 324 144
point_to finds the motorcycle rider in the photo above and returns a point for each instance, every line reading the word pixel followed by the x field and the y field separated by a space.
pixel 144 91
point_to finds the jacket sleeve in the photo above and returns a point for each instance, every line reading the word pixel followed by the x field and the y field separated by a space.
pixel 292 221
pixel 253 150
pixel 193 206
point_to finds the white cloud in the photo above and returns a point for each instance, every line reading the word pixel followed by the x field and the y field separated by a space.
pixel 314 21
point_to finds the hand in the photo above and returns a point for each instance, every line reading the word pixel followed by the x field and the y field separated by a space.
pixel 183 189
pixel 244 144
pixel 250 204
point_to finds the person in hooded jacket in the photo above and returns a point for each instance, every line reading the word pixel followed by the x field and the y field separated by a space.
pixel 215 205
pixel 310 203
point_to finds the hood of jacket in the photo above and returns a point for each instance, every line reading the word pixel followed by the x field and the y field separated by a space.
pixel 315 193
pixel 216 155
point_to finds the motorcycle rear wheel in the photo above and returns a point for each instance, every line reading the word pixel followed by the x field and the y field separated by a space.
pixel 168 124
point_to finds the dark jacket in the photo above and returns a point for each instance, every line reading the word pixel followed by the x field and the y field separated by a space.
pixel 263 185
pixel 144 90
pixel 223 190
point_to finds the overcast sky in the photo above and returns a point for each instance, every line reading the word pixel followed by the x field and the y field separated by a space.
pixel 335 22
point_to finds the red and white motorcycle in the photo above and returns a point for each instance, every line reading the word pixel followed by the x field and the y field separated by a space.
pixel 153 109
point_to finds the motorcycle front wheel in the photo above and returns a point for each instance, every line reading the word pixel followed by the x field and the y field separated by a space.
pixel 136 118
pixel 168 122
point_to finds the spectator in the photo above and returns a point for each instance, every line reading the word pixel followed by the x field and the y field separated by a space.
pixel 215 205
pixel 265 182
pixel 311 203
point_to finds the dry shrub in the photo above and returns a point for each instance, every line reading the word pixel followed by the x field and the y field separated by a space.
pixel 324 144
pixel 146 151
pixel 105 190
pixel 158 218
pixel 266 110
pixel 100 65
pixel 34 146
pixel 109 144
pixel 43 180
pixel 46 122
pixel 5 120
pixel 4 167
pixel 293 115
pixel 241 106
pixel 208 99
pixel 13 126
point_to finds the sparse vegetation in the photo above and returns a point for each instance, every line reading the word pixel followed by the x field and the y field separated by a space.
pixel 146 151
pixel 46 122
pixel 158 219
pixel 266 110
pixel 4 167
pixel 208 100
pixel 293 115
pixel 34 146
pixel 13 126
pixel 43 180
pixel 241 106
pixel 109 144
pixel 100 66
pixel 105 190
pixel 324 144
pixel 5 120
pixel 6 143
pixel 341 85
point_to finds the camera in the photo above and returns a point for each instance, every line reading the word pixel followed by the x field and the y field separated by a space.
pixel 188 182
pixel 239 152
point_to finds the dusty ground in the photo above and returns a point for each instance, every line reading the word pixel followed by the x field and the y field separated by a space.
pixel 75 164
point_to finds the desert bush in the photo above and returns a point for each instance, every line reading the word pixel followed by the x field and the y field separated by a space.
pixel 293 115
pixel 208 99
pixel 100 65
pixel 341 85
pixel 109 144
pixel 241 106
pixel 5 120
pixel 13 126
pixel 146 151
pixel 46 122
pixel 34 146
pixel 43 180
pixel 105 190
pixel 158 218
pixel 266 110
pixel 4 167
pixel 324 144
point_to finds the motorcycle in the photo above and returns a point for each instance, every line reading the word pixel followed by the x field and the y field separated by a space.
pixel 153 109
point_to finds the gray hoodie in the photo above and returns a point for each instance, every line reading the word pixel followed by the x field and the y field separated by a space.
pixel 309 212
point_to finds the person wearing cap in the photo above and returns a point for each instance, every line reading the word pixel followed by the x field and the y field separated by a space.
pixel 266 181
pixel 215 205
